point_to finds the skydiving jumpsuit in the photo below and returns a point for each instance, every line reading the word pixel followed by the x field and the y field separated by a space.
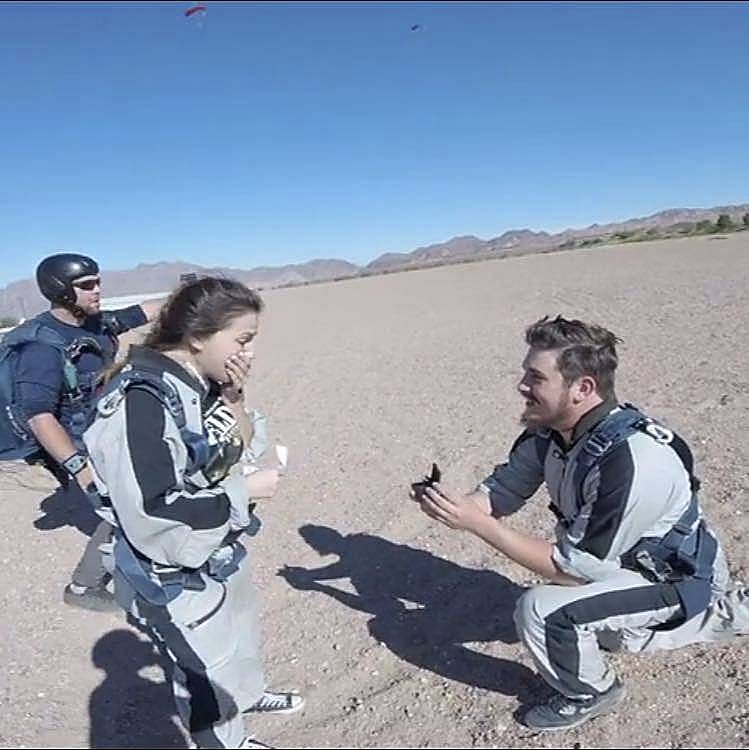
pixel 637 493
pixel 179 566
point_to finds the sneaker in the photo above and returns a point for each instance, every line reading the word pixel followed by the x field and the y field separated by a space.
pixel 93 598
pixel 562 712
pixel 277 703
pixel 254 744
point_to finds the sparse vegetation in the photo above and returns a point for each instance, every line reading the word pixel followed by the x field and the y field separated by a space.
pixel 685 227
pixel 705 227
pixel 8 321
pixel 724 223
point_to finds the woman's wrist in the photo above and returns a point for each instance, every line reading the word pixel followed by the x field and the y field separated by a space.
pixel 232 395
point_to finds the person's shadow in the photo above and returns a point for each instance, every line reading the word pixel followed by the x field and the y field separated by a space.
pixel 67 506
pixel 128 710
pixel 449 606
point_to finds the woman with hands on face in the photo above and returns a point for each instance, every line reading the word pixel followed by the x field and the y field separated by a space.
pixel 182 481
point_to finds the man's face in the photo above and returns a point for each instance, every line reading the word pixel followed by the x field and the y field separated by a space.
pixel 88 294
pixel 548 399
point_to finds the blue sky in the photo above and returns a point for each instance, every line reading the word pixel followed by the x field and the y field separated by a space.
pixel 265 134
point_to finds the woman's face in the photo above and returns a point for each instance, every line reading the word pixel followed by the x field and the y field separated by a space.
pixel 236 338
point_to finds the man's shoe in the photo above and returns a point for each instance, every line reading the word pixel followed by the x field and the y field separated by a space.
pixel 277 703
pixel 92 598
pixel 561 712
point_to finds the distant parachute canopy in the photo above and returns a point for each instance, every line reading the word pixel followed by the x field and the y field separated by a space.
pixel 200 9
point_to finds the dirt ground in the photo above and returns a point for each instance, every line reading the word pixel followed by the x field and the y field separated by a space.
pixel 405 636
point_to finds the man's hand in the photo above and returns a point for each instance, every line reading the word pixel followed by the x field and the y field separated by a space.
pixel 466 513
pixel 84 477
pixel 422 505
pixel 151 308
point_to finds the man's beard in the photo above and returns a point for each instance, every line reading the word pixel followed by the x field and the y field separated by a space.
pixel 531 422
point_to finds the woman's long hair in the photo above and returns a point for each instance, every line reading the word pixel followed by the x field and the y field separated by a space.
pixel 199 309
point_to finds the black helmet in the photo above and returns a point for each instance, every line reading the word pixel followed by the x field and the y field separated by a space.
pixel 55 276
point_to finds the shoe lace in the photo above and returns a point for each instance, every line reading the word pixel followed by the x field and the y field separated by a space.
pixel 565 706
pixel 271 700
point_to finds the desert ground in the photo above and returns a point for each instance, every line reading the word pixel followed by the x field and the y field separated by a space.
pixel 404 636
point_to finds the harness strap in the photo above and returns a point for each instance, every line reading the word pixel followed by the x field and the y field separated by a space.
pixel 139 571
pixel 687 550
pixel 199 449
pixel 129 561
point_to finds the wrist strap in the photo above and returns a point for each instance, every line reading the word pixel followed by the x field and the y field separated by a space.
pixel 75 464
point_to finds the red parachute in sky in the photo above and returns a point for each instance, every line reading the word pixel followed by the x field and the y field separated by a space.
pixel 200 9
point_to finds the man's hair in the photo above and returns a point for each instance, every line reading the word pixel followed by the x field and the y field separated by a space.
pixel 584 349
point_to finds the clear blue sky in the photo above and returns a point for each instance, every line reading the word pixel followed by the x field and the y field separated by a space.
pixel 272 133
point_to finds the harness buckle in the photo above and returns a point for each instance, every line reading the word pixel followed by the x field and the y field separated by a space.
pixel 597 445
pixel 661 572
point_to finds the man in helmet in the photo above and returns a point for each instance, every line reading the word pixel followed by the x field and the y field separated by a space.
pixel 57 390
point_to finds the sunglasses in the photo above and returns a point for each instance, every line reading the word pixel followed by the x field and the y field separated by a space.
pixel 88 285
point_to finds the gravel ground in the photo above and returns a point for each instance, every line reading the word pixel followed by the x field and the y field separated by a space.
pixel 405 636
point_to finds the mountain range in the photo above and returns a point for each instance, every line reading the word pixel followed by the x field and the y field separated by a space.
pixel 22 299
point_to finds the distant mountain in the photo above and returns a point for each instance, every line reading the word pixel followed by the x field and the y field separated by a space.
pixel 22 299
pixel 455 248
pixel 520 241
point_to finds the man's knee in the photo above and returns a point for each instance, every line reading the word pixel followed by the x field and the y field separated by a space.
pixel 528 614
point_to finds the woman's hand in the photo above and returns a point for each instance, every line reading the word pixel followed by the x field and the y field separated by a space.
pixel 237 370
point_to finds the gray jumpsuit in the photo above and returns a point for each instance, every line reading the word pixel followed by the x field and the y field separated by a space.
pixel 183 526
pixel 638 489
